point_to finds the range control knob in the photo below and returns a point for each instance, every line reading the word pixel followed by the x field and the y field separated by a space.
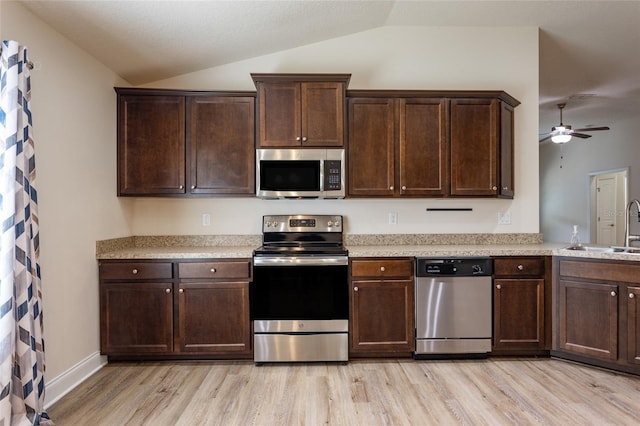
pixel 477 269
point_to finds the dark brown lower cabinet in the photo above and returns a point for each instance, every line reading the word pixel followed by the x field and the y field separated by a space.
pixel 166 309
pixel 382 307
pixel 521 321
pixel 633 325
pixel 214 317
pixel 136 317
pixel 597 312
pixel 589 318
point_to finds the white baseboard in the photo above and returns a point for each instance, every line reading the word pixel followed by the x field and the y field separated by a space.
pixel 65 382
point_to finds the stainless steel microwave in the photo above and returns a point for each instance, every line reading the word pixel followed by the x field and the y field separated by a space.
pixel 300 173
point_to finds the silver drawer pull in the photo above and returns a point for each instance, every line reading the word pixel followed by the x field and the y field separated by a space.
pixel 181 291
pixel 213 270
pixel 382 269
pixel 498 286
pixel 520 268
pixel 613 293
pixel 355 288
pixel 167 290
pixel 631 296
pixel 135 271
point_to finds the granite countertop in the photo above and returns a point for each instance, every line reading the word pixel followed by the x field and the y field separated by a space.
pixel 396 245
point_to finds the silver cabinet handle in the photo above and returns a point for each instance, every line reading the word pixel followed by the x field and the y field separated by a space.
pixel 613 293
pixel 181 291
pixel 520 268
pixel 355 288
pixel 304 139
pixel 298 138
pixel 498 286
pixel 181 187
pixel 135 271
pixel 631 296
pixel 391 187
pixel 167 290
pixel 404 188
pixel 193 187
pixel 504 188
pixel 213 270
pixel 494 187
pixel 382 269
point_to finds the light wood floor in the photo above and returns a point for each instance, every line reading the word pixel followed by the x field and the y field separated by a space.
pixel 388 392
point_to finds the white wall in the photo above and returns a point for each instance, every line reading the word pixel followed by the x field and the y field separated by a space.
pixel 564 191
pixel 384 58
pixel 74 114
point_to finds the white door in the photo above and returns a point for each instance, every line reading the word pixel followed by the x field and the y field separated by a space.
pixel 606 209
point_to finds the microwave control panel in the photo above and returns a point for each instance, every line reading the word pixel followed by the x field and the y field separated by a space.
pixel 332 175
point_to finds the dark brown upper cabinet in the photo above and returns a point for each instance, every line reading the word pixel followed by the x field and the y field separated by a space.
pixel 177 143
pixel 397 146
pixel 301 110
pixel 151 144
pixel 482 147
pixel 430 143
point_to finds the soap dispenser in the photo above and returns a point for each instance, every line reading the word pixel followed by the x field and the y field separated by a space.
pixel 575 237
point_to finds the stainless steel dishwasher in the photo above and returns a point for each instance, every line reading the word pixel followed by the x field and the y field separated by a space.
pixel 453 307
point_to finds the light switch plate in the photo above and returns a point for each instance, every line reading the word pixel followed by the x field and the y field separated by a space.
pixel 393 218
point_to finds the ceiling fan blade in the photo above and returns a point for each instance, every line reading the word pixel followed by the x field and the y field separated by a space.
pixel 580 135
pixel 591 129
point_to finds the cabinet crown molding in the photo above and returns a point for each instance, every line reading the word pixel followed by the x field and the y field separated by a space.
pixel 452 94
pixel 275 78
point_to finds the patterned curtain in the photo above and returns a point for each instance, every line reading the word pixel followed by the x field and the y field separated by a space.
pixel 21 343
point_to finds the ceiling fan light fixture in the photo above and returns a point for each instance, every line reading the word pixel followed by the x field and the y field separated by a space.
pixel 561 138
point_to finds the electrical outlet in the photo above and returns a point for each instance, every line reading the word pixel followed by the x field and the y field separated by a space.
pixel 393 218
pixel 206 219
pixel 504 218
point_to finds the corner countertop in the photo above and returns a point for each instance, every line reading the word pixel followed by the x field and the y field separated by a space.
pixel 242 246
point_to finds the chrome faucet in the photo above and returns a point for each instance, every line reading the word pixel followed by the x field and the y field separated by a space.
pixel 628 237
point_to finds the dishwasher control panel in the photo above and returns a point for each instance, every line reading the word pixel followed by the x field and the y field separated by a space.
pixel 457 266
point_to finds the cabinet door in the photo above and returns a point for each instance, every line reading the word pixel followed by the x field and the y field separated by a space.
pixel 136 318
pixel 588 318
pixel 151 145
pixel 633 324
pixel 221 145
pixel 279 114
pixel 382 317
pixel 474 144
pixel 371 147
pixel 423 147
pixel 214 317
pixel 322 114
pixel 518 320
pixel 505 188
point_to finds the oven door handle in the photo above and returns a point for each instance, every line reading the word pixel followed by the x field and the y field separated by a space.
pixel 301 261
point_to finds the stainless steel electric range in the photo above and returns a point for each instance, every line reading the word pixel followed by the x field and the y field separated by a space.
pixel 299 294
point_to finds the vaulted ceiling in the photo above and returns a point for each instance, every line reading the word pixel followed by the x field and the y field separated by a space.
pixel 589 50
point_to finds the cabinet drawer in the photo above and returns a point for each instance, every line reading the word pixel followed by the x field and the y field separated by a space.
pixel 135 270
pixel 215 270
pixel 519 266
pixel 382 268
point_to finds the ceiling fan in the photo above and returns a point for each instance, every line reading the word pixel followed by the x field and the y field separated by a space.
pixel 563 133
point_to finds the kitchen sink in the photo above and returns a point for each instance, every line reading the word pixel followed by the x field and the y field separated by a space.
pixel 597 249
pixel 603 249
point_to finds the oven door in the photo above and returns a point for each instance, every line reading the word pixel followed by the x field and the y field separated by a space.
pixel 300 288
